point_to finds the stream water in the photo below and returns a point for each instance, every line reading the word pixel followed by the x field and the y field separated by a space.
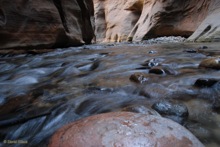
pixel 40 93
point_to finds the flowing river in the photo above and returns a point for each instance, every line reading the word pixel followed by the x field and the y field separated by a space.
pixel 40 93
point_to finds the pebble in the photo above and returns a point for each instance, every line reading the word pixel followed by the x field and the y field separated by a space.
pixel 213 63
pixel 165 39
pixel 138 78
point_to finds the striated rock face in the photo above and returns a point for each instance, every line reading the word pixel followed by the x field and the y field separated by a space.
pixel 121 20
pixel 62 23
pixel 116 18
pixel 125 129
pixel 209 30
pixel 45 23
pixel 126 20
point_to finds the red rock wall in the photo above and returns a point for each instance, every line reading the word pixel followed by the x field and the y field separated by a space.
pixel 45 23
pixel 121 20
pixel 62 23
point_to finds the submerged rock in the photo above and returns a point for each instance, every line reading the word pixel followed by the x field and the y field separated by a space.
pixel 155 91
pixel 158 71
pixel 177 112
pixel 152 62
pixel 138 78
pixel 202 82
pixel 213 63
pixel 124 129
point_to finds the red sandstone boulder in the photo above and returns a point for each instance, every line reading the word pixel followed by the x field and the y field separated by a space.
pixel 45 23
pixel 124 129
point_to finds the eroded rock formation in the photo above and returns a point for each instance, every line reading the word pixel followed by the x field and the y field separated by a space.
pixel 121 20
pixel 45 23
pixel 209 30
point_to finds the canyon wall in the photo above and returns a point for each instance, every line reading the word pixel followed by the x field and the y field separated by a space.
pixel 63 23
pixel 209 30
pixel 126 20
pixel 45 23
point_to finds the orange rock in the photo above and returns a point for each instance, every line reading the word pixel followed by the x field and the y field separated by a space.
pixel 213 63
pixel 123 129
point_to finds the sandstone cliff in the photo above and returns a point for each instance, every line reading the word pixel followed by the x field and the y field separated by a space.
pixel 209 30
pixel 121 20
pixel 45 23
pixel 62 23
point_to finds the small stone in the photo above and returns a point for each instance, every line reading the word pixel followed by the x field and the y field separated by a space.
pixel 176 111
pixel 203 47
pixel 150 63
pixel 158 71
pixel 190 51
pixel 138 78
pixel 205 82
pixel 213 63
pixel 152 52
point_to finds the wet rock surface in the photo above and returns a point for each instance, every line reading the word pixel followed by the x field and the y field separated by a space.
pixel 205 82
pixel 123 129
pixel 138 78
pixel 176 111
pixel 158 71
pixel 213 63
pixel 40 93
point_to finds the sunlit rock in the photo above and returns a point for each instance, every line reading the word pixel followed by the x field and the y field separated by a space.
pixel 213 63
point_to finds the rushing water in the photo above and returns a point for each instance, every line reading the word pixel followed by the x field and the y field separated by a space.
pixel 40 93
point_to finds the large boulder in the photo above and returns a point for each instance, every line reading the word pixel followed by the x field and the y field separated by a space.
pixel 45 23
pixel 125 129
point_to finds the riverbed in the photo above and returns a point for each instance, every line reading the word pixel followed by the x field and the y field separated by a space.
pixel 41 92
